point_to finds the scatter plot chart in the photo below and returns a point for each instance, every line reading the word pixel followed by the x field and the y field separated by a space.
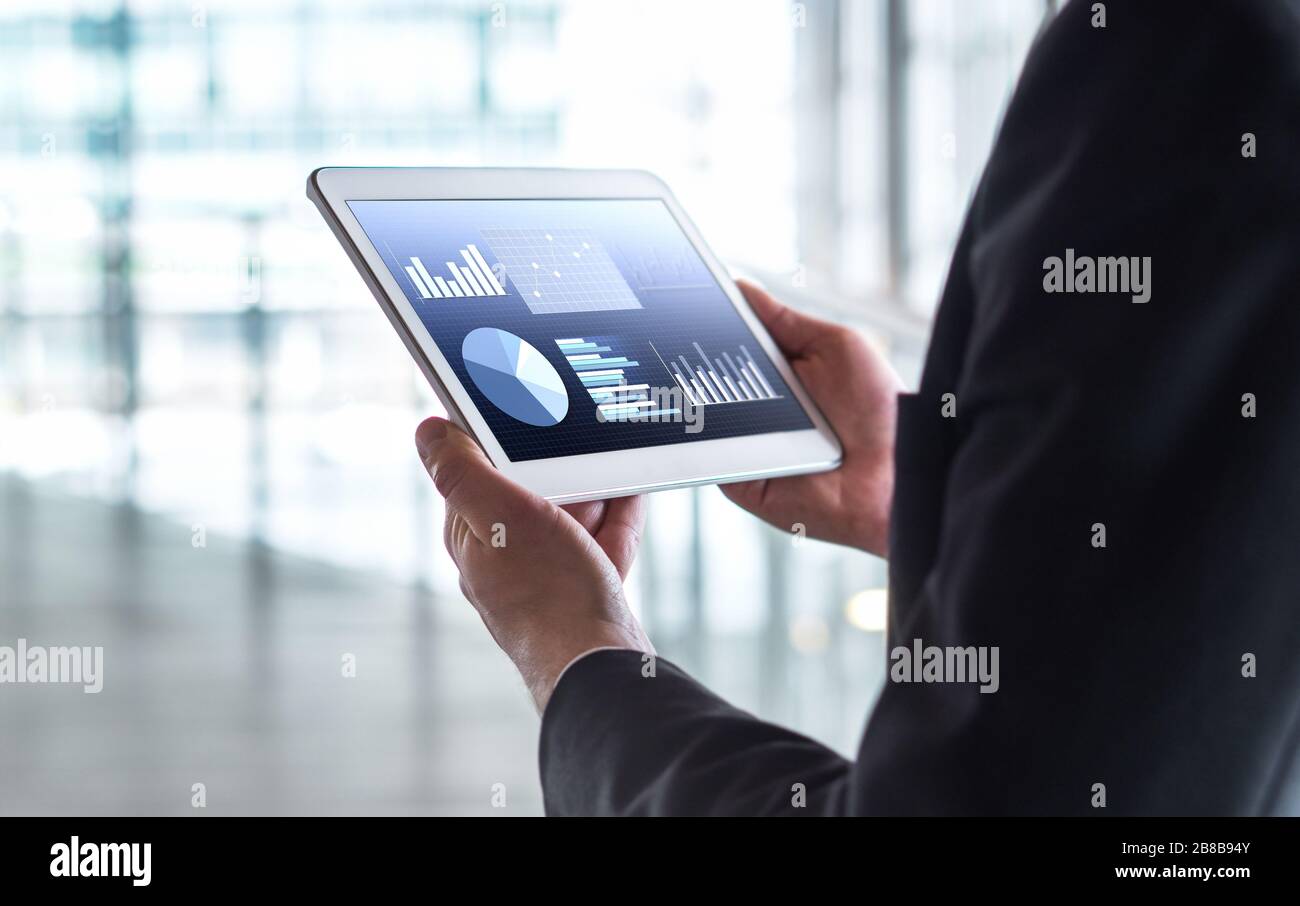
pixel 562 270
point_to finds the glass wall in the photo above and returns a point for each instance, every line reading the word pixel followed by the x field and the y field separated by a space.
pixel 182 333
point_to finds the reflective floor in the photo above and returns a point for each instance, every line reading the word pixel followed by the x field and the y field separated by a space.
pixel 223 665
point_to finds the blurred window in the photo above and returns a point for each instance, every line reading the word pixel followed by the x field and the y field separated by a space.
pixel 180 328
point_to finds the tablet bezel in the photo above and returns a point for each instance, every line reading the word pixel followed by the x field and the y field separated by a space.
pixel 589 476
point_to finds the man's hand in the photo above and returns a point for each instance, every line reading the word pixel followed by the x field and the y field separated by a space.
pixel 857 391
pixel 548 582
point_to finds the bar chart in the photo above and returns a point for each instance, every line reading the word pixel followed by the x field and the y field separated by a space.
pixel 719 380
pixel 472 277
pixel 604 375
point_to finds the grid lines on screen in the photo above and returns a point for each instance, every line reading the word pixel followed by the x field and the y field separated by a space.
pixel 560 270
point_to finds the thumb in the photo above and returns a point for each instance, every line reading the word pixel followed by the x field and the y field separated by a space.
pixel 793 331
pixel 473 488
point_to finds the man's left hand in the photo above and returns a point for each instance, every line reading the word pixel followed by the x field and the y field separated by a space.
pixel 547 581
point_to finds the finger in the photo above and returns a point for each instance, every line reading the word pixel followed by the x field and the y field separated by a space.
pixel 619 534
pixel 747 495
pixel 793 331
pixel 588 514
pixel 475 491
pixel 455 532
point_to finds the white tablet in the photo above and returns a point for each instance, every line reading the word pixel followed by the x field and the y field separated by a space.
pixel 576 325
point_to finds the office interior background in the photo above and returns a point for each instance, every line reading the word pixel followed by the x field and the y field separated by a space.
pixel 206 456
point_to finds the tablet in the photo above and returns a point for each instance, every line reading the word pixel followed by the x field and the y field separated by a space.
pixel 575 324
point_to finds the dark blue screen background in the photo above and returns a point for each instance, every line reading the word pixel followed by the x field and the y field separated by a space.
pixel 681 305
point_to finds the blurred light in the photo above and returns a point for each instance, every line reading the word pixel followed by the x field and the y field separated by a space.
pixel 55 217
pixel 298 361
pixel 868 610
pixel 809 634
pixel 50 440
pixel 364 434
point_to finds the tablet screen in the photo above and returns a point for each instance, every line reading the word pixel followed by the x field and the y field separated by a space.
pixel 580 325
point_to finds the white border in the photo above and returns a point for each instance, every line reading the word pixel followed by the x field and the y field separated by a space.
pixel 591 476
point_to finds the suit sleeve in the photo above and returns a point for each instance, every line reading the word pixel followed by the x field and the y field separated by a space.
pixel 623 735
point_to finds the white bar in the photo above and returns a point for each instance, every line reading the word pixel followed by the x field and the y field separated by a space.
pixel 731 380
pixel 745 389
pixel 722 390
pixel 753 369
pixel 743 379
pixel 583 356
pixel 424 275
pixel 758 374
pixel 700 391
pixel 725 373
pixel 456 290
pixel 681 381
pixel 474 286
pixel 705 381
pixel 487 271
pixel 640 404
pixel 750 387
pixel 721 386
pixel 455 272
pixel 488 289
pixel 442 285
pixel 567 340
pixel 735 391
pixel 473 282
pixel 415 278
pixel 618 388
pixel 600 372
pixel 734 370
pixel 708 384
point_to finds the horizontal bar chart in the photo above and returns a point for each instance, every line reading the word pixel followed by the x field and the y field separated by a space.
pixel 470 278
pixel 604 376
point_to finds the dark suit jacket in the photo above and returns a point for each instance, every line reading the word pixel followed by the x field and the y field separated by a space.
pixel 1120 665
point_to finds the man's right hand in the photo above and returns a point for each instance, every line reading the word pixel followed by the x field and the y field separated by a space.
pixel 857 391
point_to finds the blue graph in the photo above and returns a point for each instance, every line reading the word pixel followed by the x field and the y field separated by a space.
pixel 515 377
pixel 628 280
pixel 560 270
pixel 721 380
pixel 604 374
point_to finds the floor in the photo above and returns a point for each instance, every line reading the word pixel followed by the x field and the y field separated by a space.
pixel 224 666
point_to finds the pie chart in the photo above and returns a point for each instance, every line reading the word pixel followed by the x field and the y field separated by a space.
pixel 515 377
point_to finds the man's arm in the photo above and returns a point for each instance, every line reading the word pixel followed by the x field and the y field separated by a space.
pixel 628 734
